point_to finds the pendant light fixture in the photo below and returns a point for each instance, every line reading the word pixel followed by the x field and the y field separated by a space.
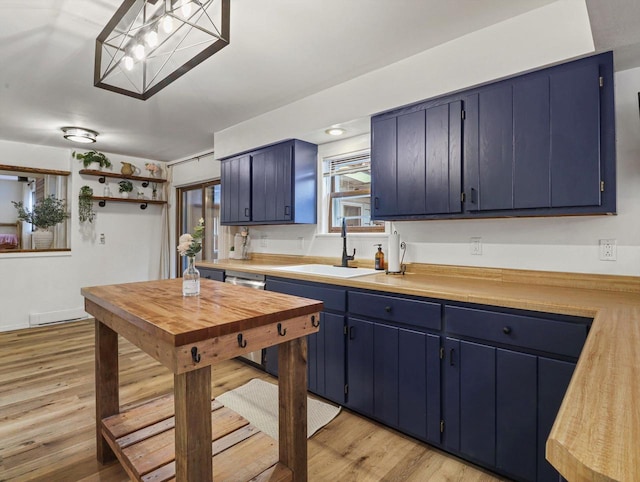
pixel 148 44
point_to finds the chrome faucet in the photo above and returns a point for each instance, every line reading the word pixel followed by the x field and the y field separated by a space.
pixel 345 257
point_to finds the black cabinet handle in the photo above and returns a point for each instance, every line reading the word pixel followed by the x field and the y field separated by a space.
pixel 376 202
pixel 451 357
pixel 287 210
pixel 506 330
pixel 246 212
pixel 387 309
pixel 474 196
pixel 351 333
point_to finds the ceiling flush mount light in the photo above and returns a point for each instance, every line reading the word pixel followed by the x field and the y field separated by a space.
pixel 335 131
pixel 148 44
pixel 78 134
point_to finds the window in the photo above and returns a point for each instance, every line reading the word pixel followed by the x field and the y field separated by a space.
pixel 347 187
pixel 195 202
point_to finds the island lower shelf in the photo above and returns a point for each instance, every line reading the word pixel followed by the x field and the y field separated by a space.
pixel 143 439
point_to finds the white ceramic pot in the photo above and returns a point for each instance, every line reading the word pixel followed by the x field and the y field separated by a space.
pixel 42 239
pixel 124 195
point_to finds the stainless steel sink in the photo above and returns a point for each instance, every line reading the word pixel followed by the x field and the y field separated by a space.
pixel 328 270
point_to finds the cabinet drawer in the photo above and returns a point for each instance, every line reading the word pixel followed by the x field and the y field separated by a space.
pixel 392 308
pixel 214 274
pixel 560 337
pixel 334 299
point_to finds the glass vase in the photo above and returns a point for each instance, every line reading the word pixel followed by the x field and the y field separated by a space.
pixel 191 279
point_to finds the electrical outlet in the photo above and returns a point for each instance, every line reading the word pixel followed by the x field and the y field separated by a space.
pixel 608 250
pixel 475 246
pixel 263 240
pixel 102 238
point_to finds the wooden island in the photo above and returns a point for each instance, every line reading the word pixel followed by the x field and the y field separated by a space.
pixel 188 335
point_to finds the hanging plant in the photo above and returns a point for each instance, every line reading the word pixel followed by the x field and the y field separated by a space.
pixel 92 156
pixel 85 205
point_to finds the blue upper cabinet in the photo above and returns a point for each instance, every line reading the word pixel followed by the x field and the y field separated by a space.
pixel 235 174
pixel 416 162
pixel 539 144
pixel 275 184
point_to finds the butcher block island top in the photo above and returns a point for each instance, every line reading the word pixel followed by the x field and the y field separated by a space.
pixel 596 435
pixel 188 335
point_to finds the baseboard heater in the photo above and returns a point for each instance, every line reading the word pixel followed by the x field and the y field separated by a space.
pixel 53 317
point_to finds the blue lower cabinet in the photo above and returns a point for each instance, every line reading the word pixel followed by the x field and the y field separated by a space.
pixel 360 366
pixel 500 406
pixel 393 376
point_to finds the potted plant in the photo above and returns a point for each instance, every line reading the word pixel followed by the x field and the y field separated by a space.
pixel 92 156
pixel 125 188
pixel 46 213
pixel 85 205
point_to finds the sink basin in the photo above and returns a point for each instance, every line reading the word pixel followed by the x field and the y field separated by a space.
pixel 328 270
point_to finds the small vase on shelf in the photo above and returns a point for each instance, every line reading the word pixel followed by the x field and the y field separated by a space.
pixel 191 279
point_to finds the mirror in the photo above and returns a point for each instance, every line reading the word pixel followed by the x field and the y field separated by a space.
pixel 30 185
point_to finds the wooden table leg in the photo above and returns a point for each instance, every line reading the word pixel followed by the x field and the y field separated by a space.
pixel 292 367
pixel 192 391
pixel 107 385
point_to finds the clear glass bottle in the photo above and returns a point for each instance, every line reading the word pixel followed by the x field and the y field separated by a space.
pixel 191 279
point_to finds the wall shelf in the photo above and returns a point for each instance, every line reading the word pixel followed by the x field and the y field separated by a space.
pixel 102 201
pixel 102 175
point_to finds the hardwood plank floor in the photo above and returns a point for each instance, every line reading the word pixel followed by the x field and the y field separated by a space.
pixel 47 417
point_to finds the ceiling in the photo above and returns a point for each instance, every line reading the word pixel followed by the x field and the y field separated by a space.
pixel 280 51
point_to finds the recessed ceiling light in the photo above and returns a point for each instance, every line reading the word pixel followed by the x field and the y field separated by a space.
pixel 335 131
pixel 78 134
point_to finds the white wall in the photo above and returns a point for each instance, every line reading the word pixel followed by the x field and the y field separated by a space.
pixel 554 244
pixel 50 282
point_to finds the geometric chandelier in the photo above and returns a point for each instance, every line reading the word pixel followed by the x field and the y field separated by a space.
pixel 148 44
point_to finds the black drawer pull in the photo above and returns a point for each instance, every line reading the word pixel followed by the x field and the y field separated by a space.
pixel 451 357
pixel 387 309
pixel 506 330
pixel 351 333
pixel 315 323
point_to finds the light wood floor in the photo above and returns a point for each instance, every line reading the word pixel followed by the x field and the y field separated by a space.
pixel 47 418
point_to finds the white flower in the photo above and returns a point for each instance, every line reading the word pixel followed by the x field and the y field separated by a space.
pixel 185 238
pixel 201 221
pixel 184 247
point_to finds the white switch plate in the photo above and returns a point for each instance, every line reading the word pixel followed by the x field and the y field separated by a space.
pixel 102 238
pixel 475 246
pixel 608 250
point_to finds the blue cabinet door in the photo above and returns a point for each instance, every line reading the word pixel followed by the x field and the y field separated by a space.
pixel 419 384
pixel 331 363
pixel 531 143
pixel 516 413
pixel 272 183
pixel 478 402
pixel 443 158
pixel 410 173
pixel 384 159
pixel 553 380
pixel 385 369
pixel 495 143
pixel 360 365
pixel 235 179
pixel 575 135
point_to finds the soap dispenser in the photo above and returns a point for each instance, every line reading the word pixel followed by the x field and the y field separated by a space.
pixel 379 258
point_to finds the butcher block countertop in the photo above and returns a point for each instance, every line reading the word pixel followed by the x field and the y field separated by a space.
pixel 596 435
